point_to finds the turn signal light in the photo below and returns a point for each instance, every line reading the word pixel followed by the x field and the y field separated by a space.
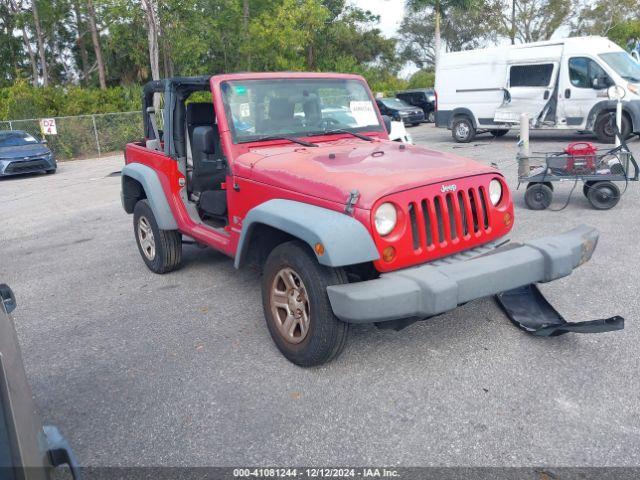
pixel 319 248
pixel 388 254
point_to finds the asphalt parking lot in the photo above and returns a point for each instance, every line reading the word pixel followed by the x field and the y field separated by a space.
pixel 139 369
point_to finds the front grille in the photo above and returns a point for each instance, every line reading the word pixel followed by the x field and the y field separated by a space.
pixel 27 166
pixel 448 218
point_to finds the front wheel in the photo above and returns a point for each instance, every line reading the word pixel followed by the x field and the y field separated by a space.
pixel 161 250
pixel 297 308
pixel 605 128
pixel 431 117
pixel 462 130
pixel 538 196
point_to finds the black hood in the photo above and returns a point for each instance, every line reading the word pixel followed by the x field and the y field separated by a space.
pixel 18 153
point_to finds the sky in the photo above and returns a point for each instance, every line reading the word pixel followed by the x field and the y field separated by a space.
pixel 390 11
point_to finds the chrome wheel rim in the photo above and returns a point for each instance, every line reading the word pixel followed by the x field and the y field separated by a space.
pixel 147 241
pixel 290 307
pixel 462 130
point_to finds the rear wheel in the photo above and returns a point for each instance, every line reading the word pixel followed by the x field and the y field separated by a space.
pixel 431 117
pixel 462 130
pixel 605 127
pixel 498 133
pixel 538 196
pixel 161 250
pixel 297 308
pixel 603 195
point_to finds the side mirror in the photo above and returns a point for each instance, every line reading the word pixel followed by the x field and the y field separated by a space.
pixel 386 119
pixel 44 141
pixel 616 92
pixel 7 298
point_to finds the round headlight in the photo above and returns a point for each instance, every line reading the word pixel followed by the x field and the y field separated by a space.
pixel 495 191
pixel 385 218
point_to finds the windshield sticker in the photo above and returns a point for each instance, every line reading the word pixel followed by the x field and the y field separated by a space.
pixel 363 112
pixel 240 90
pixel 245 110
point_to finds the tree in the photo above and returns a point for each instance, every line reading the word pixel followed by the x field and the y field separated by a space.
pixel 95 38
pixel 40 42
pixel 537 20
pixel 150 8
pixel 440 9
pixel 602 16
pixel 16 11
pixel 462 29
pixel 80 41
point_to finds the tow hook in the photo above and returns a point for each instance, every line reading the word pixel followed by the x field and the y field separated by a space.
pixel 527 308
pixel 353 198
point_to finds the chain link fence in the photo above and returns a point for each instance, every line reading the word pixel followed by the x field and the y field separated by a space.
pixel 85 136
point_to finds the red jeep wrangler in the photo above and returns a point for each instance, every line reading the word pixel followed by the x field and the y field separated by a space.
pixel 295 172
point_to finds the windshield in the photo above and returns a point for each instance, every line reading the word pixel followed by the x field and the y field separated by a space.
pixel 623 64
pixel 297 107
pixel 395 103
pixel 16 139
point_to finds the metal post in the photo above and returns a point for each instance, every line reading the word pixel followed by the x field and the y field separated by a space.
pixel 10 125
pixel 619 119
pixel 523 146
pixel 95 132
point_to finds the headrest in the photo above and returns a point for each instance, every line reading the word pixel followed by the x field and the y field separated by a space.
pixel 200 114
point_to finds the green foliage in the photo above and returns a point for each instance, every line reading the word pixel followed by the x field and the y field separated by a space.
pixel 24 101
pixel 623 32
pixel 422 79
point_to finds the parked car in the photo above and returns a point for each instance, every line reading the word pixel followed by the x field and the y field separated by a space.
pixel 400 110
pixel 424 98
pixel 560 84
pixel 28 450
pixel 21 152
pixel 344 223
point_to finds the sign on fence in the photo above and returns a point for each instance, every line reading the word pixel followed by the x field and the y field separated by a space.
pixel 48 126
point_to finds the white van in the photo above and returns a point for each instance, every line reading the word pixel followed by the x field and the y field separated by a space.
pixel 562 85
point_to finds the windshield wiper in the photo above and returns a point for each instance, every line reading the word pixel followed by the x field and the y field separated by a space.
pixel 342 130
pixel 280 137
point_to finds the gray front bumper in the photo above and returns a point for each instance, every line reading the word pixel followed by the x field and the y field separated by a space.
pixel 428 290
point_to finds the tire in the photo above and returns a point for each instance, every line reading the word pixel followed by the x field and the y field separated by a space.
pixel 50 172
pixel 431 117
pixel 603 195
pixel 161 250
pixel 498 133
pixel 538 196
pixel 305 291
pixel 462 130
pixel 604 129
pixel 415 124
pixel 586 187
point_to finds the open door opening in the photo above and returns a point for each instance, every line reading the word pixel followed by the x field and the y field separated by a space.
pixel 531 89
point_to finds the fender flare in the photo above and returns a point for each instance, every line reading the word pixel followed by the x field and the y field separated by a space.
pixel 462 112
pixel 346 241
pixel 150 182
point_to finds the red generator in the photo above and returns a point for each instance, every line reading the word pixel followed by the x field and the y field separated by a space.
pixel 581 158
